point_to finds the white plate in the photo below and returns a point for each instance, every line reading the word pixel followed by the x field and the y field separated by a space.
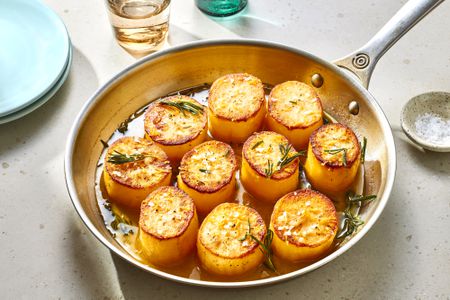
pixel 33 52
pixel 44 98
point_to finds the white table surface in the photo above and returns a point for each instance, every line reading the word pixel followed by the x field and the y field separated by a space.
pixel 47 253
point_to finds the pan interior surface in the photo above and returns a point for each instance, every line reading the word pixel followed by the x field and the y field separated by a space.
pixel 203 62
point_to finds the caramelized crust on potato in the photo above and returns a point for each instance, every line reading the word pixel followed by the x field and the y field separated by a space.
pixel 331 137
pixel 223 244
pixel 176 131
pixel 207 174
pixel 333 158
pixel 168 225
pixel 129 183
pixel 264 146
pixel 295 111
pixel 236 107
pixel 262 154
pixel 304 223
pixel 236 97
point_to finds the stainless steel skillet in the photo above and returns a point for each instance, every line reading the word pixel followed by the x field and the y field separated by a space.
pixel 204 61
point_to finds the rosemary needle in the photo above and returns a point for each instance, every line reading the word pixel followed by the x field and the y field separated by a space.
pixel 257 144
pixel 285 158
pixel 336 151
pixel 118 158
pixel 184 106
pixel 269 170
pixel 352 198
pixel 363 150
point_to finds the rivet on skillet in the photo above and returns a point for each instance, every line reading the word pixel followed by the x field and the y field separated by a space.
pixel 317 80
pixel 353 107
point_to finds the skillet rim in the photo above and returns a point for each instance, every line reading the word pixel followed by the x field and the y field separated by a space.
pixel 88 106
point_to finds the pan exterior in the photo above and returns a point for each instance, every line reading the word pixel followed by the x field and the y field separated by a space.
pixel 204 61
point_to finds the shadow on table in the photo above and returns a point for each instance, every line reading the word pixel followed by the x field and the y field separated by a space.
pixel 435 161
pixel 178 35
pixel 55 114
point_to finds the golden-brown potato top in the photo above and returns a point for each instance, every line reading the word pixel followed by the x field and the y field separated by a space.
pixel 335 145
pixel 236 97
pixel 147 166
pixel 208 167
pixel 175 120
pixel 166 213
pixel 304 218
pixel 295 105
pixel 224 232
pixel 265 150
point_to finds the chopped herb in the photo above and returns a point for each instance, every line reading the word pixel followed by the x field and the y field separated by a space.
pixel 285 158
pixel 325 120
pixel 363 150
pixel 269 170
pixel 293 102
pixel 118 158
pixel 107 205
pixel 265 246
pixel 123 127
pixel 257 144
pixel 184 106
pixel 339 150
pixel 227 153
pixel 105 144
pixel 351 224
pixel 205 171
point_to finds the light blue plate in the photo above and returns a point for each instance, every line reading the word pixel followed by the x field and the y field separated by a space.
pixel 34 50
pixel 44 98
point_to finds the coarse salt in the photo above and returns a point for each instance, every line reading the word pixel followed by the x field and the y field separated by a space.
pixel 433 128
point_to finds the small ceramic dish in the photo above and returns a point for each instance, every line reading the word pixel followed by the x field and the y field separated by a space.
pixel 425 120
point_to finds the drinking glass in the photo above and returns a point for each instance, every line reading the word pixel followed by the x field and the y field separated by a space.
pixel 140 26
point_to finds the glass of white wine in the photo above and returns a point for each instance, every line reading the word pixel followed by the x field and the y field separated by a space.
pixel 140 26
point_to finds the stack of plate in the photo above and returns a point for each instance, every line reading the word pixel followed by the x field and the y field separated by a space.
pixel 35 56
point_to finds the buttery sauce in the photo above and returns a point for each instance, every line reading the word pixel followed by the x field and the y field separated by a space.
pixel 122 222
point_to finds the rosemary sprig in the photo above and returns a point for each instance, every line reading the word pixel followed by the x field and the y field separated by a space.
pixel 363 150
pixel 338 150
pixel 285 158
pixel 351 223
pixel 118 158
pixel 184 106
pixel 265 246
pixel 353 198
pixel 257 144
pixel 269 170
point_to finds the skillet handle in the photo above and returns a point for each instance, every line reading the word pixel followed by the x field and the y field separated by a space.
pixel 363 61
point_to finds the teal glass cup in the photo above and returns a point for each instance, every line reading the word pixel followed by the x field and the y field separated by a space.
pixel 221 8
